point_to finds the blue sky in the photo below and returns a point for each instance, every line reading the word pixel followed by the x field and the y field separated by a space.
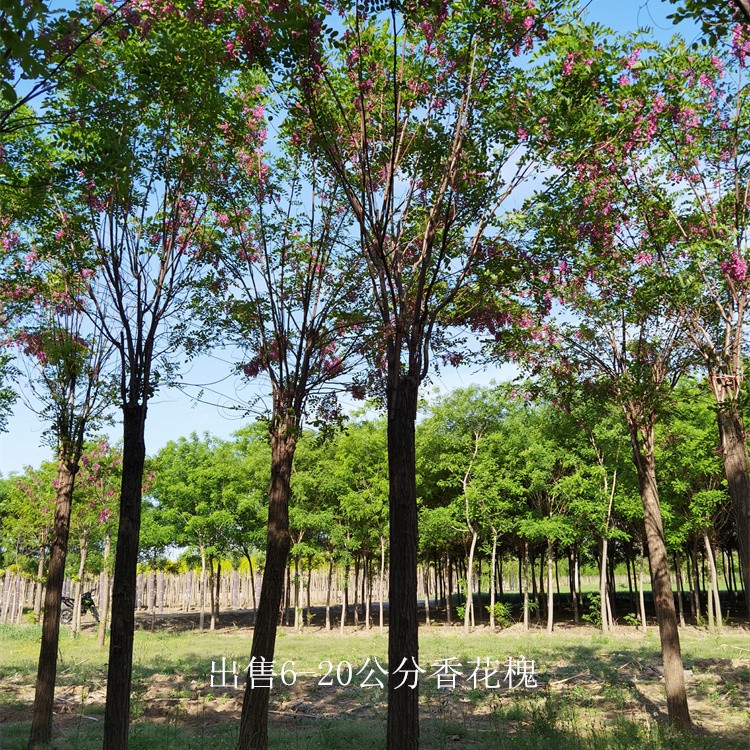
pixel 172 414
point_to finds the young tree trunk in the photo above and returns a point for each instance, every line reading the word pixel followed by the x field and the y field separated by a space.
pixel 202 594
pixel 525 584
pixel 734 455
pixel 297 608
pixel 426 580
pixel 254 720
pixel 695 581
pixel 78 589
pixel 450 590
pixel 104 594
pixel 680 601
pixel 550 595
pixel 469 608
pixel 492 579
pixel 344 599
pixel 119 673
pixel 44 693
pixel 215 595
pixel 572 571
pixel 641 595
pixel 381 591
pixel 329 581
pixel 39 587
pixel 642 440
pixel 714 592
pixel 603 586
pixel 6 594
pixel 403 647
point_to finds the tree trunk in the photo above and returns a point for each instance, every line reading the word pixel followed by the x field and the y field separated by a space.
pixel 680 600
pixel 426 580
pixel 450 590
pixel 695 581
pixel 734 455
pixel 572 583
pixel 202 594
pixel 403 647
pixel 41 718
pixel 104 594
pixel 714 592
pixel 603 586
pixel 492 579
pixel 39 588
pixel 78 590
pixel 328 592
pixel 550 595
pixel 381 592
pixel 642 440
pixel 525 584
pixel 119 673
pixel 469 607
pixel 215 595
pixel 254 720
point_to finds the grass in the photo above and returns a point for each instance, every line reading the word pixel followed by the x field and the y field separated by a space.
pixel 595 691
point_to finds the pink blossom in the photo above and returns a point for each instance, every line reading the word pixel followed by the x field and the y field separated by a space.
pixel 632 58
pixel 735 268
pixel 528 22
pixel 643 259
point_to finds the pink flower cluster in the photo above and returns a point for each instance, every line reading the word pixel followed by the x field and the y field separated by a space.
pixel 735 268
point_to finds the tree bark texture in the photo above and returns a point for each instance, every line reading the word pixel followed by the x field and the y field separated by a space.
pixel 44 694
pixel 403 702
pixel 119 672
pixel 254 720
pixel 734 455
pixel 642 440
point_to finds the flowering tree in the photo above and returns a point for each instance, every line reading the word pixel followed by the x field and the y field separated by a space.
pixel 284 288
pixel 604 313
pixel 137 118
pixel 672 160
pixel 44 303
pixel 413 112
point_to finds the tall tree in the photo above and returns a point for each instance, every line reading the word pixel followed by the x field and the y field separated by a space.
pixel 412 111
pixel 138 116
pixel 45 301
pixel 589 248
pixel 282 288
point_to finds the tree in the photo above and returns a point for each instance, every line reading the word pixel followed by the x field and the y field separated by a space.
pixel 674 156
pixel 412 112
pixel 589 246
pixel 283 289
pixel 152 92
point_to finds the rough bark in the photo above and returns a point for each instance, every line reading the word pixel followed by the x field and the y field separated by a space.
pixel 734 455
pixel 403 702
pixel 254 721
pixel 44 693
pixel 642 440
pixel 119 672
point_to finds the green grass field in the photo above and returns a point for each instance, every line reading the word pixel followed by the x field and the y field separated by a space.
pixel 593 691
